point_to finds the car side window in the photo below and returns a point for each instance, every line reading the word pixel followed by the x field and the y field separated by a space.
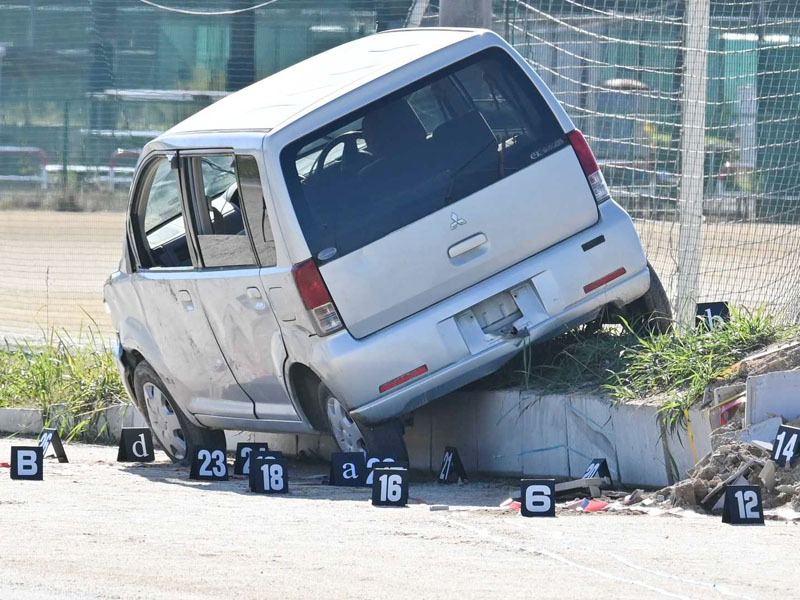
pixel 255 210
pixel 162 231
pixel 222 238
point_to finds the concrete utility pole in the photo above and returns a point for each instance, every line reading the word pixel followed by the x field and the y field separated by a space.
pixel 465 13
pixel 690 199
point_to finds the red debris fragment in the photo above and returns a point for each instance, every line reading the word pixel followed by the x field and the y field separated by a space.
pixel 595 506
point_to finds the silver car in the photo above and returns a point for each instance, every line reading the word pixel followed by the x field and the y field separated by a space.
pixel 357 235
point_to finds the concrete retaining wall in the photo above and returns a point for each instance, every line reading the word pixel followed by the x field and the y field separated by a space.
pixel 503 433
pixel 522 433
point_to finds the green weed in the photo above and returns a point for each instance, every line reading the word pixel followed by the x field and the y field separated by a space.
pixel 676 366
pixel 680 364
pixel 72 382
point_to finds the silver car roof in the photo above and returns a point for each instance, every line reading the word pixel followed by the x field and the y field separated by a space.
pixel 280 98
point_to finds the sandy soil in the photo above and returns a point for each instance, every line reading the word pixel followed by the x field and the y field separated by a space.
pixel 95 528
pixel 52 269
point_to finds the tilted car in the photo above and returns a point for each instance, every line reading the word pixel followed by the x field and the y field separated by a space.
pixel 361 233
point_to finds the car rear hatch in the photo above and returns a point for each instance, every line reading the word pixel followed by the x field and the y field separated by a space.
pixel 477 177
pixel 460 245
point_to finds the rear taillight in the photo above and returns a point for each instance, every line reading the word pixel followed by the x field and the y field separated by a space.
pixel 316 297
pixel 589 165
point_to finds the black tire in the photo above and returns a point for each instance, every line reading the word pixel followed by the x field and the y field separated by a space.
pixel 652 312
pixel 384 440
pixel 191 435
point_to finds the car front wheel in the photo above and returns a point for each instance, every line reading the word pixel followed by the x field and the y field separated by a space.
pixel 175 433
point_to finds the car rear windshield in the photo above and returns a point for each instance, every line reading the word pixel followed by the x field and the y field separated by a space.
pixel 414 152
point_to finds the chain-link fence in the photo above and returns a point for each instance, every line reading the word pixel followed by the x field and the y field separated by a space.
pixel 84 84
pixel 691 107
pixel 693 110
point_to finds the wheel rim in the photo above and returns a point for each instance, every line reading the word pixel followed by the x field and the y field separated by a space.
pixel 163 421
pixel 345 431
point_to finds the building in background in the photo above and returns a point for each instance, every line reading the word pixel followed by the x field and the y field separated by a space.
pixel 81 79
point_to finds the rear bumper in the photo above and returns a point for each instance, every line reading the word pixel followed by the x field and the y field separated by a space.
pixel 550 289
pixel 474 367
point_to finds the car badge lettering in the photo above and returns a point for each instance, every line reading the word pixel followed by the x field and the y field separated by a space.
pixel 455 221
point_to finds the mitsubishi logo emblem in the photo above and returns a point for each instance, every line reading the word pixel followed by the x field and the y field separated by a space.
pixel 455 221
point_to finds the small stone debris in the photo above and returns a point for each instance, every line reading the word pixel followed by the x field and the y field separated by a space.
pixel 633 498
pixel 731 461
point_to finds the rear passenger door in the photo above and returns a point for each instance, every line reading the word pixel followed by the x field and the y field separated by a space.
pixel 234 241
pixel 186 354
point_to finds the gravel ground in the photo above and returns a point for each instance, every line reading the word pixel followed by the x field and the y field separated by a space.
pixel 95 528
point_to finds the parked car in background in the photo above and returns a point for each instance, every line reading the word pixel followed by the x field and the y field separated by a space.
pixel 357 235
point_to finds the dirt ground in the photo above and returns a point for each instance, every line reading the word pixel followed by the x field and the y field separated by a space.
pixel 95 528
pixel 52 269
pixel 53 265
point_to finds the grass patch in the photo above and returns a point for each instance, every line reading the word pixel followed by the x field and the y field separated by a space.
pixel 677 365
pixel 72 382
pixel 573 361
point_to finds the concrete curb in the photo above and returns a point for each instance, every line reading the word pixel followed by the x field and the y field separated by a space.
pixel 24 421
pixel 29 421
pixel 507 432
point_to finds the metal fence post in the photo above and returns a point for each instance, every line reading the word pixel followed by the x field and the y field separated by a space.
pixel 690 199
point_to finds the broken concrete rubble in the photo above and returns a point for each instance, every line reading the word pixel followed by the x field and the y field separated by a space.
pixel 731 461
pixel 765 431
pixel 746 406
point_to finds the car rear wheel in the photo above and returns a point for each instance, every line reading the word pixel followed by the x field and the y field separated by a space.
pixel 174 432
pixel 652 312
pixel 380 441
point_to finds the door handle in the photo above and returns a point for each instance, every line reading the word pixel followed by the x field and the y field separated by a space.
pixel 466 245
pixel 254 294
pixel 185 298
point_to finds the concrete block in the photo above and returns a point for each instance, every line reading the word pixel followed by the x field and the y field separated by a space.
pixel 232 438
pixel 765 431
pixel 24 421
pixel 685 450
pixel 721 399
pixel 114 418
pixel 544 435
pixel 726 392
pixel 284 442
pixel 288 443
pixel 499 432
pixel 774 394
pixel 590 434
pixel 133 418
pixel 640 449
pixel 418 439
pixel 327 446
pixel 454 425
pixel 317 445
